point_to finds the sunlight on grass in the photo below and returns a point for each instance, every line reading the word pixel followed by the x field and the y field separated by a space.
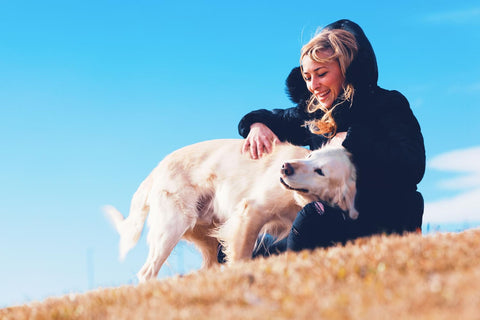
pixel 405 277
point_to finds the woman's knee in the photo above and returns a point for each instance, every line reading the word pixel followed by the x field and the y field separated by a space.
pixel 316 226
pixel 304 228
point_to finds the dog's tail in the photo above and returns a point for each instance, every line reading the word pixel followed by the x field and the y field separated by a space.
pixel 130 229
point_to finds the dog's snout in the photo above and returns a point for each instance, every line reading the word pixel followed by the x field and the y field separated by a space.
pixel 287 169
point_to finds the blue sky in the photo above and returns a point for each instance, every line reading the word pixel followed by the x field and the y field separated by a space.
pixel 93 94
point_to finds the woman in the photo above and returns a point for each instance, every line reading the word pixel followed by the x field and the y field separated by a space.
pixel 338 101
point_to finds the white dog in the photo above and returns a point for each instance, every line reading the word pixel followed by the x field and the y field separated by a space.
pixel 211 193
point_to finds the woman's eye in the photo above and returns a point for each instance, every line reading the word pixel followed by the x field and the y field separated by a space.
pixel 319 171
pixel 322 74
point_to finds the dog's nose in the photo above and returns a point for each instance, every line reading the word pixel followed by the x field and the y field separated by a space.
pixel 287 169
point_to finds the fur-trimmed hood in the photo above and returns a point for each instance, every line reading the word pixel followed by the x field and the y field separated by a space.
pixel 362 72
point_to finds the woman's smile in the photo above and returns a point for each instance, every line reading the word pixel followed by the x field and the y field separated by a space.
pixel 324 79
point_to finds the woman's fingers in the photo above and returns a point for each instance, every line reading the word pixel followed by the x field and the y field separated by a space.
pixel 259 141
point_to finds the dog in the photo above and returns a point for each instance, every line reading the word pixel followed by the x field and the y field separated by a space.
pixel 210 193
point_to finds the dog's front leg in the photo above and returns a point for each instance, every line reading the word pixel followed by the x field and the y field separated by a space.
pixel 240 233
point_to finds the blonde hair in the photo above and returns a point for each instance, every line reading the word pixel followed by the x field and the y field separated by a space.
pixel 343 48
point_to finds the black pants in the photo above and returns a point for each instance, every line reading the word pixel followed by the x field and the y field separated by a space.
pixel 312 228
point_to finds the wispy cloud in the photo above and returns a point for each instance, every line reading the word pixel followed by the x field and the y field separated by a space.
pixel 468 88
pixel 462 207
pixel 455 16
pixel 462 160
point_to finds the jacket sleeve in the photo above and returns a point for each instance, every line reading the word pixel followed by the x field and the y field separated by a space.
pixel 386 142
pixel 287 124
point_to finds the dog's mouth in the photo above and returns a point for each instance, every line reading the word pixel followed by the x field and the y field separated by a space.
pixel 291 188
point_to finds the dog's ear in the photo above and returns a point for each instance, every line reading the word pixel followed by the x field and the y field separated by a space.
pixel 349 198
pixel 346 196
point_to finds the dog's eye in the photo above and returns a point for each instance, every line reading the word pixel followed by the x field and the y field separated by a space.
pixel 319 171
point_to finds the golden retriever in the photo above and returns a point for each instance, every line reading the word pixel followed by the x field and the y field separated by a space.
pixel 211 193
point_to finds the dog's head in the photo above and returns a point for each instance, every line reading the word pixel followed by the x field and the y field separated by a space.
pixel 327 174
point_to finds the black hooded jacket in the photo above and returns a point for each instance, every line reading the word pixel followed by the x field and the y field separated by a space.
pixel 383 136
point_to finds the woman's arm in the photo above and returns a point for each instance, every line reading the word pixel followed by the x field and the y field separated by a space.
pixel 386 141
pixel 286 124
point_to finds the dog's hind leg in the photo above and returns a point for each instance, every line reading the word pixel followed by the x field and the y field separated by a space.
pixel 167 226
pixel 205 241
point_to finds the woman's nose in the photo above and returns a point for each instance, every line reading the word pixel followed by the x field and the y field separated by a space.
pixel 314 84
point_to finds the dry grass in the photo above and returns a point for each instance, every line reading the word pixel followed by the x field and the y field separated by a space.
pixel 408 277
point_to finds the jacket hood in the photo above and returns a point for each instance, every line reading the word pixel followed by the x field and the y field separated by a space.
pixel 362 72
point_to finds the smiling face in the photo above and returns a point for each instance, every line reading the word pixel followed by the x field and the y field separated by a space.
pixel 324 79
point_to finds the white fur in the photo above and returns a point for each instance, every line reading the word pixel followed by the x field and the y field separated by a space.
pixel 210 193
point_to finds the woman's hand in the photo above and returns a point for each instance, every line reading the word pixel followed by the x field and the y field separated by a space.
pixel 259 141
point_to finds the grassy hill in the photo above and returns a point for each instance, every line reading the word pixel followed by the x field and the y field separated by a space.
pixel 383 277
